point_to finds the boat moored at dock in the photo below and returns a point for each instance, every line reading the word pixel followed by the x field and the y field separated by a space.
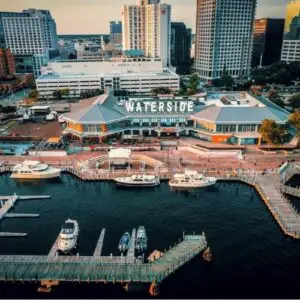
pixel 141 239
pixel 30 169
pixel 191 179
pixel 68 236
pixel 138 181
pixel 124 242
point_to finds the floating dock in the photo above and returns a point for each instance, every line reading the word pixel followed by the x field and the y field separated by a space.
pixel 12 234
pixel 131 250
pixel 99 246
pixel 10 215
pixel 94 269
pixel 54 248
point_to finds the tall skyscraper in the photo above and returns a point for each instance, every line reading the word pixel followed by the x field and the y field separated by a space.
pixel 147 27
pixel 291 41
pixel 267 41
pixel 224 37
pixel 31 36
pixel 181 47
pixel 7 63
pixel 115 33
pixel 293 10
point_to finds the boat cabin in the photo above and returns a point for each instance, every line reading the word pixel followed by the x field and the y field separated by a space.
pixel 67 228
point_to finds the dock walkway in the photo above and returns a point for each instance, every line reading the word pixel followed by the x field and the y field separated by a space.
pixel 282 210
pixel 99 246
pixel 131 250
pixel 99 269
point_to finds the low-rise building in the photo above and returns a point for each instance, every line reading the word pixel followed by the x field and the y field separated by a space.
pixel 236 120
pixel 139 75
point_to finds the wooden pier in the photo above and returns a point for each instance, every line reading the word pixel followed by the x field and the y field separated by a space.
pixel 99 269
pixel 99 246
pixel 131 250
pixel 10 215
pixel 12 234
pixel 282 210
pixel 53 251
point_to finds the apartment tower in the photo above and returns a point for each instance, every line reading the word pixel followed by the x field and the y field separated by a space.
pixel 147 27
pixel 224 30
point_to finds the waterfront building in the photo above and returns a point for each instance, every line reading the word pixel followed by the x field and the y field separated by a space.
pixel 147 27
pixel 7 63
pixel 291 42
pixel 115 32
pixel 236 120
pixel 267 41
pixel 224 32
pixel 181 38
pixel 30 35
pixel 139 75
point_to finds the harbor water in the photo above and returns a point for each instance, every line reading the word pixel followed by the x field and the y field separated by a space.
pixel 251 256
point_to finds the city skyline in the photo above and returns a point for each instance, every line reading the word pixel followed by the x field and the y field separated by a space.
pixel 74 17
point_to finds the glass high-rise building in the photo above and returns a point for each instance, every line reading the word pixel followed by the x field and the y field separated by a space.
pixel 293 10
pixel 291 41
pixel 267 41
pixel 224 31
pixel 31 36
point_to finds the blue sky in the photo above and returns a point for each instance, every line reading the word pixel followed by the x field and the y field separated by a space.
pixel 93 16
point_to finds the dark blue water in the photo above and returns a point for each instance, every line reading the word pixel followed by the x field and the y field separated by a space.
pixel 252 258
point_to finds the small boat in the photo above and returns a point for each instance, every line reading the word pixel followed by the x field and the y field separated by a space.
pixel 141 239
pixel 124 242
pixel 31 169
pixel 191 179
pixel 138 181
pixel 68 236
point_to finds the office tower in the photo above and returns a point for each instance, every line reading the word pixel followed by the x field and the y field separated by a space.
pixel 32 38
pixel 180 47
pixel 115 32
pixel 7 63
pixel 293 10
pixel 291 41
pixel 224 31
pixel 147 27
pixel 267 41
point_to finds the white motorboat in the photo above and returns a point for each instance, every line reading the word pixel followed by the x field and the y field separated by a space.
pixel 34 170
pixel 68 236
pixel 141 239
pixel 191 179
pixel 138 181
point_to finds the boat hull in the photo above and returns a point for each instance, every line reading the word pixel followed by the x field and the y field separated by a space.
pixel 192 185
pixel 40 175
pixel 136 184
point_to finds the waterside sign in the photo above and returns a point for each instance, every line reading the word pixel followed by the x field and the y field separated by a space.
pixel 159 107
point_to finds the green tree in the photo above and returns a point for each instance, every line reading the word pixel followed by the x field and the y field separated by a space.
pixel 294 120
pixel 294 101
pixel 33 94
pixel 275 98
pixel 57 94
pixel 161 90
pixel 272 133
pixel 65 93
pixel 193 83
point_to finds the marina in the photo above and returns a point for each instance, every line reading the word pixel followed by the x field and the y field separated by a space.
pixel 105 252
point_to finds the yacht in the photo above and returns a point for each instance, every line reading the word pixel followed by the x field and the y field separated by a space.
pixel 124 242
pixel 191 179
pixel 141 239
pixel 138 181
pixel 68 236
pixel 34 170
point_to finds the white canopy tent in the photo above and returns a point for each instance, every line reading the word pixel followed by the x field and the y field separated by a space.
pixel 120 157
